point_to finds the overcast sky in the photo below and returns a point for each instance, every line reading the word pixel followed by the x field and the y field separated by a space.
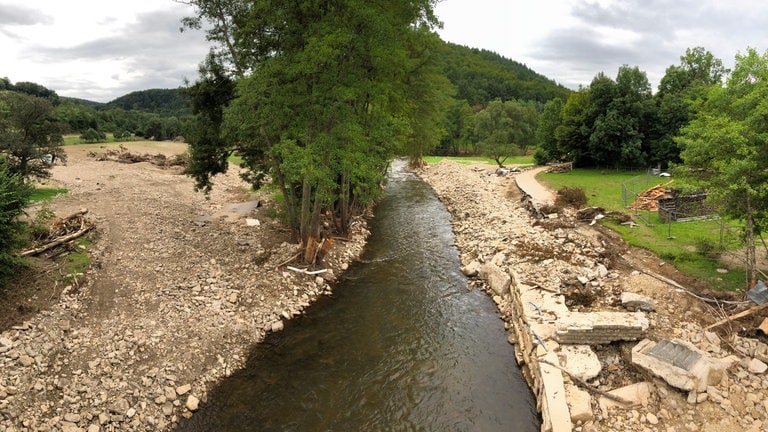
pixel 103 49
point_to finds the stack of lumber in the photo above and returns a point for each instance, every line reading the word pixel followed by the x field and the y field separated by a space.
pixel 647 200
pixel 560 167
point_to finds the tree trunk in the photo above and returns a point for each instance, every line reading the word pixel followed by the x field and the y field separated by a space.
pixel 751 252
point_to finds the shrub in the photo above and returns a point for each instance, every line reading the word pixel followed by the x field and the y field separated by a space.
pixel 708 248
pixel 570 197
pixel 14 197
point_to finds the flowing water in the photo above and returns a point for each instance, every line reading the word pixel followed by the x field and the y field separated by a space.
pixel 402 346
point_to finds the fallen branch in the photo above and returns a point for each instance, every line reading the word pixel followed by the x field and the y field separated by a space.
pixel 298 254
pixel 742 314
pixel 586 385
pixel 58 241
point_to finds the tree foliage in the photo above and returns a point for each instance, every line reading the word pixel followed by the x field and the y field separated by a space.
pixel 28 131
pixel 505 129
pixel 14 196
pixel 725 146
pixel 325 94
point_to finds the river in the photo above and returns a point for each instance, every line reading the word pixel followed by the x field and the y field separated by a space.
pixel 403 345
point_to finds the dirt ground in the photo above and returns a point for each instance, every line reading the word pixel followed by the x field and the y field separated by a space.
pixel 179 288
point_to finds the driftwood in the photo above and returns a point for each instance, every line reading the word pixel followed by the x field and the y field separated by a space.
pixel 61 232
pixel 742 314
pixel 58 241
pixel 312 273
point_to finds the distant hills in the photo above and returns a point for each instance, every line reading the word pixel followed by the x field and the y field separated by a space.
pixel 480 76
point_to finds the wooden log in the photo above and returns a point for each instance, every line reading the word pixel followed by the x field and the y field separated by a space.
pixel 742 314
pixel 58 241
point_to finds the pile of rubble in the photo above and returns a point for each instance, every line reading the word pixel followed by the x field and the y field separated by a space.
pixel 604 347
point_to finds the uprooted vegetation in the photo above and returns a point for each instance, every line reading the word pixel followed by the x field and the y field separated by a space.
pixel 123 155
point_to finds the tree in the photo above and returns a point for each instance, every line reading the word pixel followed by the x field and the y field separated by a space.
pixel 459 125
pixel 681 90
pixel 92 136
pixel 551 118
pixel 14 196
pixel 725 147
pixel 28 131
pixel 505 129
pixel 325 93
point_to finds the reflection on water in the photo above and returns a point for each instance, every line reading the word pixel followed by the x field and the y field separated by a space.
pixel 402 346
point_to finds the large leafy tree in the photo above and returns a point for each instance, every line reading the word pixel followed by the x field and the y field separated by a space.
pixel 325 93
pixel 681 90
pixel 505 129
pixel 725 146
pixel 549 120
pixel 28 131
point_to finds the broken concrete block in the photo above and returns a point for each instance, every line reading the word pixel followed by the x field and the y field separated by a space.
pixel 679 363
pixel 595 328
pixel 580 361
pixel 636 395
pixel 553 395
pixel 579 403
pixel 637 302
pixel 498 279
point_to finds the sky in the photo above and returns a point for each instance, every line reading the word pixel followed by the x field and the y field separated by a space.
pixel 102 49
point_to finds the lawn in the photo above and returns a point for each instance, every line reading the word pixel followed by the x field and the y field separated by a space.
pixel 46 193
pixel 691 246
pixel 510 162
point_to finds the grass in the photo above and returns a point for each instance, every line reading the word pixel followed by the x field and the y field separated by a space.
pixel 512 161
pixel 72 139
pixel 42 194
pixel 77 261
pixel 686 245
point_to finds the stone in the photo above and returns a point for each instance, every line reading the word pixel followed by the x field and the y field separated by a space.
pixel 252 222
pixel 757 367
pixel 193 403
pixel 470 270
pixel 637 302
pixel 93 428
pixel 120 406
pixel 579 404
pixel 276 326
pixel 6 342
pixel 652 419
pixel 72 417
pixel 184 389
pixel 581 361
pixel 637 395
pixel 679 363
pixel 26 360
pixel 498 280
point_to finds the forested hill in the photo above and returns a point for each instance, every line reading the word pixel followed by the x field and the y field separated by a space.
pixel 482 76
pixel 168 102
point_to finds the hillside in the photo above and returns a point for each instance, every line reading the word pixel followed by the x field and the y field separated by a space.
pixel 166 102
pixel 482 76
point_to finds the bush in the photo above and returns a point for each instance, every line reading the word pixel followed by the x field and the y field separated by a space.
pixel 570 197
pixel 708 248
pixel 14 197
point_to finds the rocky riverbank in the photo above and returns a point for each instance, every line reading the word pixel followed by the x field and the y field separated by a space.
pixel 575 270
pixel 179 289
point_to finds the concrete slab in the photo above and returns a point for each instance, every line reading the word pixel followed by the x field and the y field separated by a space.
pixel 679 363
pixel 637 395
pixel 580 361
pixel 595 328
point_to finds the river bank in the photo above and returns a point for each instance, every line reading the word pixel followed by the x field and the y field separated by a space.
pixel 544 272
pixel 179 289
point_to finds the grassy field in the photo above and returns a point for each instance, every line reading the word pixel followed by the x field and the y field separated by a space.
pixel 692 247
pixel 72 139
pixel 510 162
